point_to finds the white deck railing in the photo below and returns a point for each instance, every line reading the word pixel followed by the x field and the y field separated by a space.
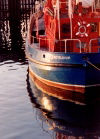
pixel 91 43
pixel 47 44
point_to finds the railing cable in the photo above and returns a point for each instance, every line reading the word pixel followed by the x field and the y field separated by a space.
pixel 93 65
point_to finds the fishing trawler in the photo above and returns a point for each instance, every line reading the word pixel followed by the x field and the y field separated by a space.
pixel 63 47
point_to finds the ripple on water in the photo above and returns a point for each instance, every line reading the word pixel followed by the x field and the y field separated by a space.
pixel 17 119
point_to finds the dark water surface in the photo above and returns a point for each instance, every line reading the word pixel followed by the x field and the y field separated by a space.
pixel 18 119
pixel 26 112
pixel 17 116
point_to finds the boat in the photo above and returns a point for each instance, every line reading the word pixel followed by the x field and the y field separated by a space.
pixel 63 47
pixel 65 119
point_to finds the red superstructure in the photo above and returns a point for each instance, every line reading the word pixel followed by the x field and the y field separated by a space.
pixel 72 27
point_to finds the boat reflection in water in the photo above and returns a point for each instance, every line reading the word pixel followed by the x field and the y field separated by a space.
pixel 66 119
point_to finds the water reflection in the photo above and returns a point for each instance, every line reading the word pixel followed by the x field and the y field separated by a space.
pixel 14 18
pixel 12 37
pixel 67 120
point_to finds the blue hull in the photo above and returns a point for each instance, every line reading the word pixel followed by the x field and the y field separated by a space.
pixel 73 69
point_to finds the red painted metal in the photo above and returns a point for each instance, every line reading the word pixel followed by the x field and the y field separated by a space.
pixel 85 26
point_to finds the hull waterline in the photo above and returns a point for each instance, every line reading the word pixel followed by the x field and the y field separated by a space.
pixel 60 92
pixel 63 49
pixel 43 75
pixel 89 95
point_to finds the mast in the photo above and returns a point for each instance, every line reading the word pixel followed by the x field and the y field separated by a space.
pixel 70 15
pixel 58 16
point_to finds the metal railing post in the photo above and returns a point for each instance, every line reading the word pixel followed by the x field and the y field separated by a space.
pixel 90 46
pixel 65 46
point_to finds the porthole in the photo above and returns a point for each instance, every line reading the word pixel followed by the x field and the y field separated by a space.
pixel 43 55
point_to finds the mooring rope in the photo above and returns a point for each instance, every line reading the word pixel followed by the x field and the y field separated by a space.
pixel 93 65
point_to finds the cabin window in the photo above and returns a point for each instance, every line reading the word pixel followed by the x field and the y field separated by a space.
pixel 41 32
pixel 93 27
pixel 98 50
pixel 43 55
pixel 83 45
pixel 65 28
pixel 99 42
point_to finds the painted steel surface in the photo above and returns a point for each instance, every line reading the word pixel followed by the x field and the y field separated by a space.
pixel 65 68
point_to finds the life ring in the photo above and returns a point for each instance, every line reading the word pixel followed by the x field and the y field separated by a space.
pixel 82 29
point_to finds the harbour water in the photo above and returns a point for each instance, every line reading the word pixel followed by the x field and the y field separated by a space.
pixel 25 111
pixel 18 119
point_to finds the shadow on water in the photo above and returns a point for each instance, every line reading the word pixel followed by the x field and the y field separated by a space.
pixel 67 120
pixel 13 27
pixel 11 42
